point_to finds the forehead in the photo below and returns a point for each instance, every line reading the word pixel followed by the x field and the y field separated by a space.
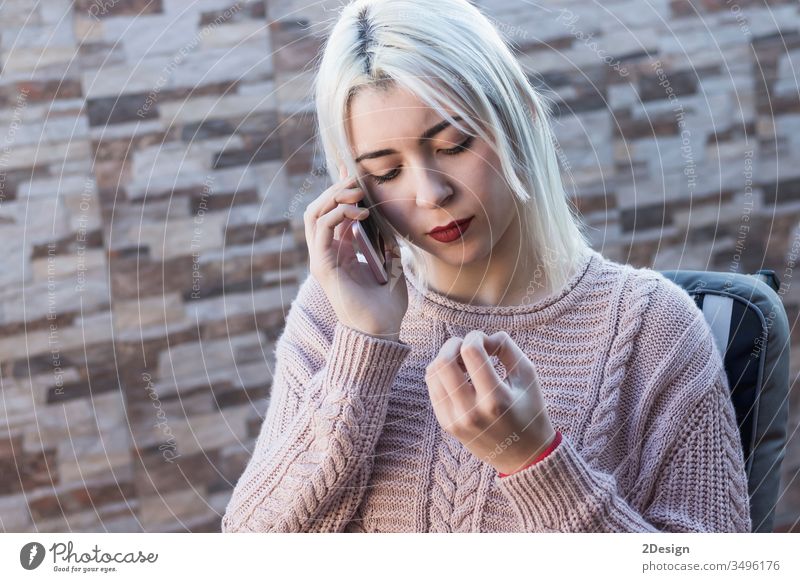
pixel 376 116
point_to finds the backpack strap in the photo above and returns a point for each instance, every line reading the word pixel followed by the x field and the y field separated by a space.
pixel 718 310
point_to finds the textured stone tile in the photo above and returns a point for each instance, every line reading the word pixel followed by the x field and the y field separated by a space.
pixel 28 59
pixel 22 156
pixel 149 312
pixel 207 108
pixel 198 433
pixel 160 477
pixel 81 457
pixel 191 360
pixel 231 305
pixel 54 426
pixel 295 45
pixel 110 8
pixel 63 501
pixel 105 111
pixel 14 516
pixel 172 509
pixel 135 277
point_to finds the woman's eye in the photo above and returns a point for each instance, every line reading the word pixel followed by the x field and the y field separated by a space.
pixel 386 177
pixel 464 145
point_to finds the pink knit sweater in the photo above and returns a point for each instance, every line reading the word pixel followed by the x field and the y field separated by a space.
pixel 631 378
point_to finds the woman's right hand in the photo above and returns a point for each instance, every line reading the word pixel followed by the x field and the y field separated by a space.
pixel 357 298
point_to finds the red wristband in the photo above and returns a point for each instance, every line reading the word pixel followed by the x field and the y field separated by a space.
pixel 546 452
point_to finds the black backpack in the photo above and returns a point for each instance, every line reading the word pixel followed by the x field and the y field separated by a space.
pixel 751 328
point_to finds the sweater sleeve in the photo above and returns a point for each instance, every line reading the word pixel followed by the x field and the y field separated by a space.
pixel 689 473
pixel 550 448
pixel 327 407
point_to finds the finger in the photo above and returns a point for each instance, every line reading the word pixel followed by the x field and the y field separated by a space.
pixel 340 230
pixel 340 192
pixel 346 250
pixel 442 406
pixel 338 221
pixel 518 366
pixel 326 225
pixel 350 196
pixel 453 376
pixel 324 202
pixel 479 364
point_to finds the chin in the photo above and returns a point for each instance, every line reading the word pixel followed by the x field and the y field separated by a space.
pixel 459 255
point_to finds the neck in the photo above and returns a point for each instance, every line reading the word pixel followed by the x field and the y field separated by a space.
pixel 507 276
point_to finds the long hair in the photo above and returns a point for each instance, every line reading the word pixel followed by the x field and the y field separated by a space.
pixel 449 55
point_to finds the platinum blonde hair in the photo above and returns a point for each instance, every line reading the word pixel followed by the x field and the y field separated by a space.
pixel 449 55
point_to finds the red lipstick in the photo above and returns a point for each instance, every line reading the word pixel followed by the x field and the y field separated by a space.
pixel 452 231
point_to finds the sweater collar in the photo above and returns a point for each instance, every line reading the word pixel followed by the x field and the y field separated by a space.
pixel 433 305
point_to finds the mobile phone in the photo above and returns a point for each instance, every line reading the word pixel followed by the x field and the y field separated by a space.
pixel 371 246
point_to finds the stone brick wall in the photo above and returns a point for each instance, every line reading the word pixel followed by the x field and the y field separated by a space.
pixel 155 160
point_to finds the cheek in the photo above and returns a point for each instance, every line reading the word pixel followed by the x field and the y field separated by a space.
pixel 496 199
pixel 396 212
pixel 481 171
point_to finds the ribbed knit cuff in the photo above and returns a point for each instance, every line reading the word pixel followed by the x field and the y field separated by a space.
pixel 550 448
pixel 561 489
pixel 359 359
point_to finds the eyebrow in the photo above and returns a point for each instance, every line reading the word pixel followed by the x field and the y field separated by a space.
pixel 429 133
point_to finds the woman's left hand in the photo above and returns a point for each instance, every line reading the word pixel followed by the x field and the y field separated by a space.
pixel 501 421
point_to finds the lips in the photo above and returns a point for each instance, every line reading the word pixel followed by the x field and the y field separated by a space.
pixel 450 233
pixel 451 225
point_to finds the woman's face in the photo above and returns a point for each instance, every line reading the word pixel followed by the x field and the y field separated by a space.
pixel 419 185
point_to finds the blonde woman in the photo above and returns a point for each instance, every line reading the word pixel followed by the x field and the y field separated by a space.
pixel 508 378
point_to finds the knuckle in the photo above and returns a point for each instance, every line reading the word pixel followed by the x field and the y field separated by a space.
pixel 451 346
pixel 495 408
pixel 470 349
pixel 472 420
pixel 325 219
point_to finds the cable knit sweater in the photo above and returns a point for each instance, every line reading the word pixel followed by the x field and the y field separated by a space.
pixel 631 378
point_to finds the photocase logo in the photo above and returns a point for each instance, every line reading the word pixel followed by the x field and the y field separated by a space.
pixel 31 555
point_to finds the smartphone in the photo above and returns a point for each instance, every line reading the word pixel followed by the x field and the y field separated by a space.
pixel 371 246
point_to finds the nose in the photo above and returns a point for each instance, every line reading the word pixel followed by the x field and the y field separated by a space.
pixel 433 189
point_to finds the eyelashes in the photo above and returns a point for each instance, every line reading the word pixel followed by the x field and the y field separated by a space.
pixel 463 146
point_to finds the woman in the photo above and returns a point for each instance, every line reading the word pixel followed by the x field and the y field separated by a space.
pixel 508 378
